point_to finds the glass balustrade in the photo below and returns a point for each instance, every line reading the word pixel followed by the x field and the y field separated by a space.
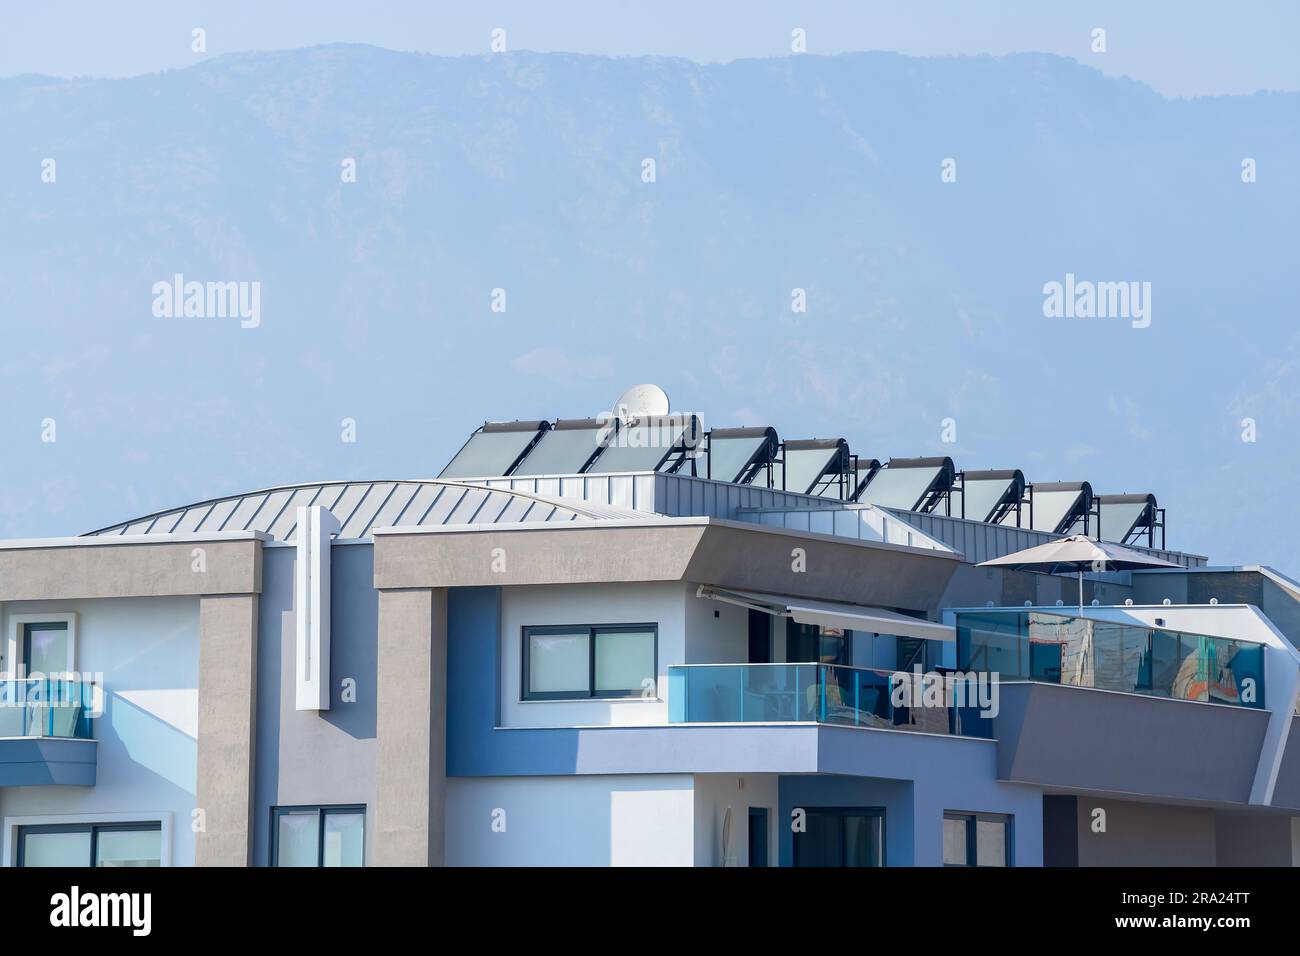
pixel 1107 655
pixel 46 707
pixel 819 693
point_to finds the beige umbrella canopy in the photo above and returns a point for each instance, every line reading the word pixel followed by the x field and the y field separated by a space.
pixel 1078 553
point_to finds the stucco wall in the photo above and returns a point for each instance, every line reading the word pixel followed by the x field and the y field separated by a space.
pixel 625 820
pixel 1144 834
pixel 303 756
pixel 148 652
pixel 585 604
pixel 715 793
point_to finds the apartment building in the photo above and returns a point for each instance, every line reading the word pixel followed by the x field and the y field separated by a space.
pixel 631 641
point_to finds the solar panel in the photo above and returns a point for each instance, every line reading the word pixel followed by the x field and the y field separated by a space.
pixel 910 484
pixel 865 469
pixel 1058 506
pixel 494 450
pixel 650 443
pixel 567 448
pixel 1119 516
pixel 859 475
pixel 737 455
pixel 809 465
pixel 989 495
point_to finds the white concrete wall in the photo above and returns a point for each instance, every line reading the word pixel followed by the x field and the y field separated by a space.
pixel 661 604
pixel 716 640
pixel 714 794
pixel 148 652
pixel 689 633
pixel 624 820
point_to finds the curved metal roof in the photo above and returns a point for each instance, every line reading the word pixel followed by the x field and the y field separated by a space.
pixel 361 506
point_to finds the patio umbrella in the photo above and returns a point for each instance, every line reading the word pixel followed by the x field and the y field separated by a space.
pixel 1078 553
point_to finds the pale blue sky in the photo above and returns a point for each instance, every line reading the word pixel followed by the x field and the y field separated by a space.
pixel 1188 48
pixel 524 172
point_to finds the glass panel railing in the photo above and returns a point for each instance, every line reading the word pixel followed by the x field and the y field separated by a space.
pixel 1108 655
pixel 815 693
pixel 46 707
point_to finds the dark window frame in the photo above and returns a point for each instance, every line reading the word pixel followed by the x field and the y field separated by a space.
pixel 322 810
pixel 761 817
pixel 94 829
pixel 528 630
pixel 30 627
pixel 972 846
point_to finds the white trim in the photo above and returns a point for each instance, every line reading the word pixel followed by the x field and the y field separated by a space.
pixel 13 647
pixel 162 817
pixel 311 608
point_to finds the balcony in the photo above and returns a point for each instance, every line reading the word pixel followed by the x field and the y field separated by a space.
pixel 46 732
pixel 46 707
pixel 1033 645
pixel 1115 701
pixel 810 693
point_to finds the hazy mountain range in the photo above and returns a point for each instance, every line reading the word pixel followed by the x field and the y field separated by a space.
pixel 524 172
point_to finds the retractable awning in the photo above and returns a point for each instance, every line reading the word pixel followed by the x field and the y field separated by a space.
pixel 853 617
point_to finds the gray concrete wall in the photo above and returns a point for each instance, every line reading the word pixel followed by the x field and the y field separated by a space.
pixel 1287 791
pixel 227 694
pixel 1253 840
pixel 305 757
pixel 411 720
pixel 131 570
pixel 1082 739
pixel 225 572
pixel 1145 834
pixel 725 554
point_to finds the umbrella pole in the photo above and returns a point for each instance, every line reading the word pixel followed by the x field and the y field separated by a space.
pixel 1081 592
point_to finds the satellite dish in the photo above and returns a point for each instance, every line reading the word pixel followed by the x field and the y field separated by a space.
pixel 642 400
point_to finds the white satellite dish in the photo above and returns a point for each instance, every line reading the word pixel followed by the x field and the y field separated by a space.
pixel 642 400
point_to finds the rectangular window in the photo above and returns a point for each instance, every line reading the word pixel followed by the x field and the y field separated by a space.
pixel 841 836
pixel 47 648
pixel 91 844
pixel 559 664
pixel 318 836
pixel 976 839
pixel 585 662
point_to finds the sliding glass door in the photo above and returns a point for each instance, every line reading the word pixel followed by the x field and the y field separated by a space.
pixel 841 836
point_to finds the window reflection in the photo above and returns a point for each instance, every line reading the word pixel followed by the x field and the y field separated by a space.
pixel 1080 652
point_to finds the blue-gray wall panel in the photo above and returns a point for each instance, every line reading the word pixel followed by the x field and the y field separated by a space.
pixel 30 762
pixel 302 756
pixel 1078 738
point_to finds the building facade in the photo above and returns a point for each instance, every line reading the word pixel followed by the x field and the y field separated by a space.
pixel 632 657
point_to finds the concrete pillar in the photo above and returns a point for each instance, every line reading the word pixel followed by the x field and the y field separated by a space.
pixel 411 728
pixel 227 721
